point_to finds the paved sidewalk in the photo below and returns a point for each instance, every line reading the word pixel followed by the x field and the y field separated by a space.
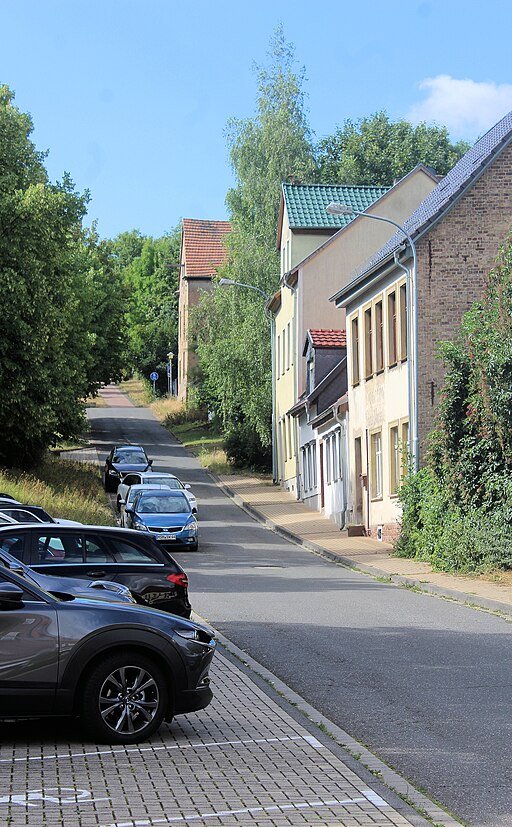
pixel 281 512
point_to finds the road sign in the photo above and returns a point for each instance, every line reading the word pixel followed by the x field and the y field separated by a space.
pixel 153 376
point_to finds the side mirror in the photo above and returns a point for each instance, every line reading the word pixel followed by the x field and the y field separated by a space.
pixel 122 502
pixel 11 594
pixel 150 462
pixel 128 509
pixel 187 486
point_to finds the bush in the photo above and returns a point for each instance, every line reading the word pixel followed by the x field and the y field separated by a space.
pixel 244 449
pixel 183 415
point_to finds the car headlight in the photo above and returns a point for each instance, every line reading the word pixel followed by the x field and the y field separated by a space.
pixel 140 526
pixel 200 635
pixel 114 473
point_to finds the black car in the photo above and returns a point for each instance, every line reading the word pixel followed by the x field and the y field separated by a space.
pixel 102 553
pixel 67 588
pixel 121 668
pixel 121 460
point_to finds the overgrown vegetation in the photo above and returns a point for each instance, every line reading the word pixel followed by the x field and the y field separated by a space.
pixel 457 511
pixel 67 489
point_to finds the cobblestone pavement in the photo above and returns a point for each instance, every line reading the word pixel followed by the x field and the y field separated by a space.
pixel 243 760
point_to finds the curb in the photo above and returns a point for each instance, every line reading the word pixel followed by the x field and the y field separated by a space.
pixel 474 601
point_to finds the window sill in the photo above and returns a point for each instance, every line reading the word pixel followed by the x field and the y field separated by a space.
pixel 392 365
pixel 376 499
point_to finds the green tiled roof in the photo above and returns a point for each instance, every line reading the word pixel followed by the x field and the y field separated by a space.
pixel 306 203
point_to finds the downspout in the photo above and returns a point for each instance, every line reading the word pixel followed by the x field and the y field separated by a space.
pixel 343 468
pixel 296 427
pixel 367 486
pixel 410 356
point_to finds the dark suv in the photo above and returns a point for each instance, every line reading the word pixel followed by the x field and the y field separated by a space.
pixel 121 668
pixel 102 553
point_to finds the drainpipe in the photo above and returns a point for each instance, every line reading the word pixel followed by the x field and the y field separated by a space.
pixel 343 460
pixel 367 485
pixel 411 399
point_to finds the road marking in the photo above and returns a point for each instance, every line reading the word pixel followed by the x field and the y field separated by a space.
pixel 61 795
pixel 198 745
pixel 301 805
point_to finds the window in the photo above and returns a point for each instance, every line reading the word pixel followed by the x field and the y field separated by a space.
pixel 96 552
pixel 13 544
pixel 403 321
pixel 132 479
pixel 355 351
pixel 394 460
pixel 392 329
pixel 313 464
pixel 126 553
pixel 405 449
pixel 379 338
pixel 376 465
pixel 328 460
pixel 283 354
pixel 278 356
pixel 288 356
pixel 305 479
pixel 368 343
pixel 64 549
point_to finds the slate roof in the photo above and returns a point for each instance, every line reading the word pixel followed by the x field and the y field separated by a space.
pixel 306 203
pixel 465 172
pixel 202 246
pixel 328 338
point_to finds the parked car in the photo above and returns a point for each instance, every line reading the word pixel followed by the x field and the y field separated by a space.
pixel 154 478
pixel 130 497
pixel 22 513
pixel 122 668
pixel 69 587
pixel 131 558
pixel 166 515
pixel 121 460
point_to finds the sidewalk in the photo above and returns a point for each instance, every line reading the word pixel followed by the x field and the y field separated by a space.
pixel 291 519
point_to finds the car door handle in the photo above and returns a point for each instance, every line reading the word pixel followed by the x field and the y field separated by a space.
pixel 96 573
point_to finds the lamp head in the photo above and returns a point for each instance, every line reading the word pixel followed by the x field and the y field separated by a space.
pixel 225 282
pixel 335 208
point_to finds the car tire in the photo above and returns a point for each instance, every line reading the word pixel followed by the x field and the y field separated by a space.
pixel 112 707
pixel 194 547
pixel 106 483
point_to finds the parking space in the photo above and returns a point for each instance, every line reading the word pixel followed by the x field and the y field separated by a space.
pixel 243 760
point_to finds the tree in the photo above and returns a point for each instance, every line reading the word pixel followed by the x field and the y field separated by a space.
pixel 378 151
pixel 150 275
pixel 43 341
pixel 233 336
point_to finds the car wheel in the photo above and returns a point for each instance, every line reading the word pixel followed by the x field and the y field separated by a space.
pixel 124 699
pixel 194 547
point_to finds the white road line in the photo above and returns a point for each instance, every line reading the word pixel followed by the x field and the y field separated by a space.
pixel 302 805
pixel 199 745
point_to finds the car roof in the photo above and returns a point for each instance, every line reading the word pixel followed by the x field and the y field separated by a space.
pixel 71 529
pixel 140 487
pixel 149 474
pixel 162 491
pixel 128 448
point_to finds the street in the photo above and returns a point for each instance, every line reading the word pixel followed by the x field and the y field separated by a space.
pixel 424 682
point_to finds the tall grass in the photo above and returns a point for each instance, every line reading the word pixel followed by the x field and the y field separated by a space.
pixel 67 489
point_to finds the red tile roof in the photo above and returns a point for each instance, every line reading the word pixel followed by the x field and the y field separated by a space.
pixel 328 338
pixel 202 246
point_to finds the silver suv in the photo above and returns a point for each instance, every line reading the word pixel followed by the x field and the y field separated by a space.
pixel 121 668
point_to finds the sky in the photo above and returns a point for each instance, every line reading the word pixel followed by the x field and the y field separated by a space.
pixel 132 97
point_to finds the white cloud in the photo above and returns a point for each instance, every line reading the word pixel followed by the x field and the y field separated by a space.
pixel 465 107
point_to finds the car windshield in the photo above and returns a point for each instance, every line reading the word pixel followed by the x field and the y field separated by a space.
pixel 130 457
pixel 169 482
pixel 151 504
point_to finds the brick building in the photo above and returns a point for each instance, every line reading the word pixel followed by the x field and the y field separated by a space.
pixel 457 232
pixel 202 253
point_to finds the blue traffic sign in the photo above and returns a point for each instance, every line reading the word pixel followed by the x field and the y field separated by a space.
pixel 153 376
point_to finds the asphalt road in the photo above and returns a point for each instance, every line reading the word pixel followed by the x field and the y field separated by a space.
pixel 423 682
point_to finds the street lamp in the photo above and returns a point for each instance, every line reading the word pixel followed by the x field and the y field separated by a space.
pixel 170 357
pixel 335 208
pixel 232 283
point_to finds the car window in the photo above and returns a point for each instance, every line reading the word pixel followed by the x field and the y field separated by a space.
pixel 13 544
pixel 21 515
pixel 127 553
pixel 67 548
pixel 96 551
pixel 131 479
pixel 157 504
pixel 167 481
pixel 131 495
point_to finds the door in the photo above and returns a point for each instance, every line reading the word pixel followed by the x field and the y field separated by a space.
pixel 358 482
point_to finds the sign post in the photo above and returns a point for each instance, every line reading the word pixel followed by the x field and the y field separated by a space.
pixel 154 376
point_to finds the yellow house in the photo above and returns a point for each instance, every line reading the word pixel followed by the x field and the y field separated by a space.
pixel 318 251
pixel 394 378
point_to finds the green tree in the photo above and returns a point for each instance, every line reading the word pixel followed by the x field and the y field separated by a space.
pixel 150 275
pixel 43 342
pixel 233 335
pixel 378 151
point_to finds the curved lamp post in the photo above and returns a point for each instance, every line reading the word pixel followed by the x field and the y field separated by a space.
pixel 335 208
pixel 232 283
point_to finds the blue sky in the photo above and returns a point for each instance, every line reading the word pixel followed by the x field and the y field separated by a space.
pixel 131 97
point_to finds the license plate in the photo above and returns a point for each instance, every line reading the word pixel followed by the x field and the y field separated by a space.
pixel 166 536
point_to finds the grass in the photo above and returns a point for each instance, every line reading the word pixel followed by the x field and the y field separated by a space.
pixel 67 489
pixel 137 391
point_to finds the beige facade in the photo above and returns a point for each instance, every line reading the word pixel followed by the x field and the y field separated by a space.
pixel 306 287
pixel 457 232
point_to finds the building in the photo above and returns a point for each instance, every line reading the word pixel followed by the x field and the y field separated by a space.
pixel 202 253
pixel 332 247
pixel 457 232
